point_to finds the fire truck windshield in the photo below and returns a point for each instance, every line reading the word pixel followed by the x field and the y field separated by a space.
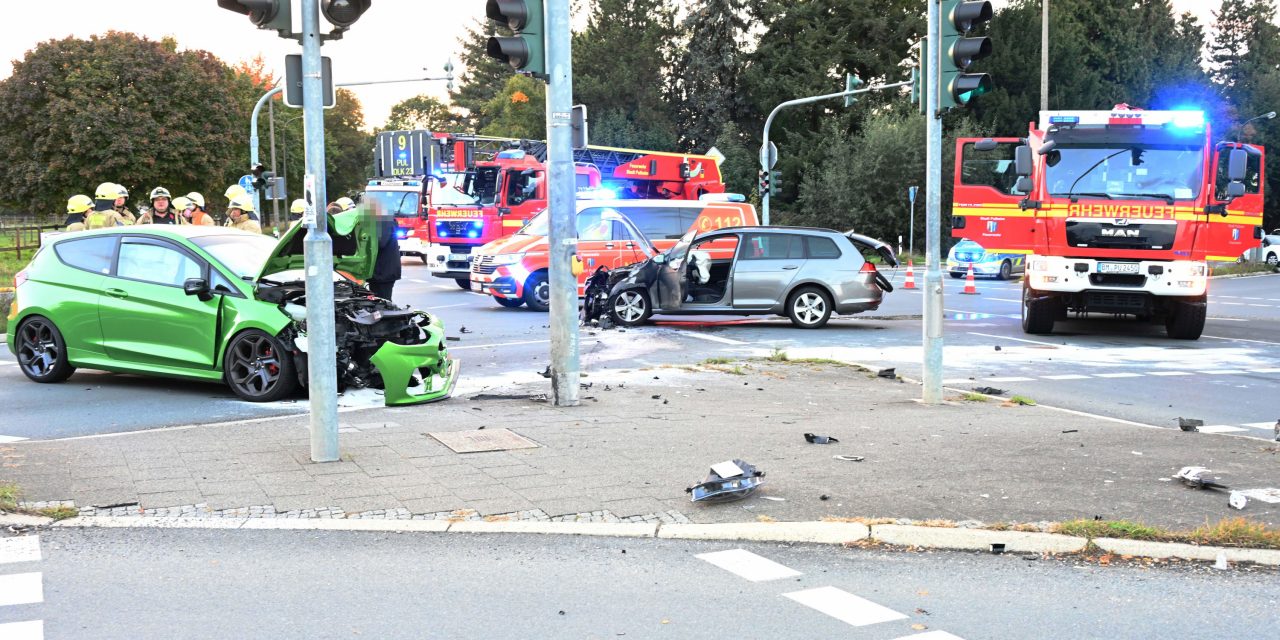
pixel 451 194
pixel 1167 172
pixel 401 204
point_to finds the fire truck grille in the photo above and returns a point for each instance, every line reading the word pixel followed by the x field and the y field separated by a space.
pixel 1115 302
pixel 1117 280
pixel 483 265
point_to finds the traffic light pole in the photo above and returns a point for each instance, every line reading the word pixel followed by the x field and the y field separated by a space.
pixel 322 371
pixel 933 214
pixel 563 232
pixel 766 165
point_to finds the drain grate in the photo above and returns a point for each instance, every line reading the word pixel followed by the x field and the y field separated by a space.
pixel 483 440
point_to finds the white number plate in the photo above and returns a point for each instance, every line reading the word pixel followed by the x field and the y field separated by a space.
pixel 1130 268
pixel 466 257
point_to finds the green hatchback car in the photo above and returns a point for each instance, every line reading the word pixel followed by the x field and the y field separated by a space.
pixel 212 303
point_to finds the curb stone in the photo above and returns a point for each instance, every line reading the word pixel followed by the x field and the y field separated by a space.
pixel 817 532
pixel 976 539
pixel 1148 549
pixel 603 529
pixel 23 520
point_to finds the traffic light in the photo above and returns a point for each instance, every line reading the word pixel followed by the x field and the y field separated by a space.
pixel 526 51
pixel 851 82
pixel 259 179
pixel 764 182
pixel 264 14
pixel 775 182
pixel 920 79
pixel 343 13
pixel 959 52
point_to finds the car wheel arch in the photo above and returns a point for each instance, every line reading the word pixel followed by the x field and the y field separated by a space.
pixel 245 325
pixel 815 284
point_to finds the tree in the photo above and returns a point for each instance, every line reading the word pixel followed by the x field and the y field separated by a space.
pixel 1247 43
pixel 347 148
pixel 423 112
pixel 118 108
pixel 483 77
pixel 739 169
pixel 519 111
pixel 621 69
pixel 707 81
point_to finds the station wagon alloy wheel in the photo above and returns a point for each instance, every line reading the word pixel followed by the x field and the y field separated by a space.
pixel 257 370
pixel 809 308
pixel 42 353
pixel 630 308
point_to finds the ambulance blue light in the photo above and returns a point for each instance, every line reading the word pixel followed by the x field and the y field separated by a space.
pixel 511 154
pixel 1064 119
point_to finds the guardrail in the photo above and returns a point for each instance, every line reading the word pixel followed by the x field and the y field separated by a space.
pixel 24 238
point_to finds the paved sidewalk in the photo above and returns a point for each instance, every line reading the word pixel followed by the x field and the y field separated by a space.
pixel 641 436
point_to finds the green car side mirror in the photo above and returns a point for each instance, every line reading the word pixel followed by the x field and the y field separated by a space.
pixel 198 287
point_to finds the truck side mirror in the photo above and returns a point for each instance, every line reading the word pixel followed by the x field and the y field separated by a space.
pixel 1259 235
pixel 957 222
pixel 1236 165
pixel 1022 161
pixel 1023 185
pixel 1235 190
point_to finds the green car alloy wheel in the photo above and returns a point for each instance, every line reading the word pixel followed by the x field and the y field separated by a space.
pixel 220 305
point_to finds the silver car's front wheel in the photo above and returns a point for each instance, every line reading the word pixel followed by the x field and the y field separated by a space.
pixel 809 308
pixel 630 308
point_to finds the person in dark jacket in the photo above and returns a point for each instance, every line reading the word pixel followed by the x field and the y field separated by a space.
pixel 386 269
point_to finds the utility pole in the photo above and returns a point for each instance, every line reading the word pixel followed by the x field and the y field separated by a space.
pixel 933 213
pixel 1044 56
pixel 275 200
pixel 322 349
pixel 563 236
pixel 911 244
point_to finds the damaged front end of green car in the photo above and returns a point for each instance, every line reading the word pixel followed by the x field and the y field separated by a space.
pixel 417 373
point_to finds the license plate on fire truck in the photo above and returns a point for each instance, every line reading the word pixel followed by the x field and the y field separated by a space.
pixel 1128 268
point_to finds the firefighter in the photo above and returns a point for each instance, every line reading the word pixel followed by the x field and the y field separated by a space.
pixel 345 204
pixel 182 207
pixel 237 190
pixel 386 267
pixel 126 216
pixel 198 214
pixel 104 212
pixel 296 209
pixel 238 210
pixel 77 206
pixel 161 209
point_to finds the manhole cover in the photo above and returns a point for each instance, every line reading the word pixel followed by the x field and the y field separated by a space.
pixel 483 440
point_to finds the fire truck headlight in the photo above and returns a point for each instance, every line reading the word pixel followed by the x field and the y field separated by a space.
pixel 1038 265
pixel 1190 269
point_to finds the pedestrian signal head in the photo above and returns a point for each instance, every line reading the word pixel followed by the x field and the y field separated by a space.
pixel 79 204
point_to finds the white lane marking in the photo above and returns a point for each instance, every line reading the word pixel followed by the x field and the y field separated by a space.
pixel 750 566
pixel 21 588
pixel 957 381
pixel 988 335
pixel 1220 428
pixel 1118 375
pixel 5 363
pixel 1228 296
pixel 1234 304
pixel 448 306
pixel 703 336
pixel 1260 425
pixel 1229 319
pixel 499 344
pixel 1241 340
pixel 20 549
pixel 29 630
pixel 8 439
pixel 1267 371
pixel 1168 373
pixel 931 635
pixel 1223 372
pixel 844 606
pixel 1005 300
pixel 1265 306
pixel 417 280
pixel 1068 376
pixel 1249 298
pixel 1009 379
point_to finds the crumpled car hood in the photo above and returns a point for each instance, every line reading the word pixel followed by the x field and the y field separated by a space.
pixel 355 246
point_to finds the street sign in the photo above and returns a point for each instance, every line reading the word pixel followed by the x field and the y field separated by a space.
pixel 246 182
pixel 293 81
pixel 715 154
pixel 769 157
pixel 406 153
pixel 275 189
pixel 911 192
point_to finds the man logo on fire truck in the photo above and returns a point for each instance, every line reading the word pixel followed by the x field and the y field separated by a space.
pixel 1117 212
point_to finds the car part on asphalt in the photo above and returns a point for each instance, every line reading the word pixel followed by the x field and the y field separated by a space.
pixel 1198 478
pixel 727 482
pixel 848 458
pixel 989 391
pixel 816 439
pixel 889 373
pixel 1190 424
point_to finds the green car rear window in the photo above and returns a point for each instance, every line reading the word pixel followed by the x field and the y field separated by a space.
pixel 90 254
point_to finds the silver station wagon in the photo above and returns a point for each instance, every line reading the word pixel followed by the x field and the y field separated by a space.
pixel 802 273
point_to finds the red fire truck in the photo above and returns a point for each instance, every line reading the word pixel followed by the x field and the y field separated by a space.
pixel 1117 212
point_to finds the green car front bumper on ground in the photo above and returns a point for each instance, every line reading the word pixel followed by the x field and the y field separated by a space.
pixel 398 363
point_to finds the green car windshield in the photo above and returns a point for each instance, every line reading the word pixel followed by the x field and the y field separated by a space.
pixel 244 255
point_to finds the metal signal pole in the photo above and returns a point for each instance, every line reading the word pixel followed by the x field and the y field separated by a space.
pixel 1044 56
pixel 563 237
pixel 933 215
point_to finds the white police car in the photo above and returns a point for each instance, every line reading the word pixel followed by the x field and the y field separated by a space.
pixel 967 253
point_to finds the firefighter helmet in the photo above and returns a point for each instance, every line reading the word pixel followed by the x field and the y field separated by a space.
pixel 107 191
pixel 180 203
pixel 121 191
pixel 242 202
pixel 79 203
pixel 196 198
pixel 233 191
pixel 160 192
pixel 298 206
pixel 346 203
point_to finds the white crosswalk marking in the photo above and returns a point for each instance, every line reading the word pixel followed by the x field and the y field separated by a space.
pixel 21 588
pixel 748 565
pixel 29 630
pixel 8 439
pixel 931 635
pixel 844 606
pixel 1260 425
pixel 1224 372
pixel 1119 375
pixel 1067 376
pixel 19 549
pixel 1168 373
pixel 1220 428
pixel 1013 379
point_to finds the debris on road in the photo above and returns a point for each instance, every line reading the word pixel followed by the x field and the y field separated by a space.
pixel 728 481
pixel 465 330
pixel 816 439
pixel 546 373
pixel 989 391
pixel 1237 500
pixel 1071 431
pixel 997 347
pixel 452 338
pixel 1190 424
pixel 1198 478
pixel 848 458
pixel 889 373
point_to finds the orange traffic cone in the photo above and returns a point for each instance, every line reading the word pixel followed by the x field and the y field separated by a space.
pixel 969 287
pixel 911 276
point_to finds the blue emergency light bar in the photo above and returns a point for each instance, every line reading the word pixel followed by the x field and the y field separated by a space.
pixel 1064 119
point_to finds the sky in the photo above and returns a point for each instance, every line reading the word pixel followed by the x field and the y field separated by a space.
pixel 395 39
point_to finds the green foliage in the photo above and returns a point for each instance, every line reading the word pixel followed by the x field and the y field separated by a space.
pixel 739 168
pixel 483 78
pixel 519 111
pixel 347 148
pixel 423 112
pixel 119 108
pixel 706 89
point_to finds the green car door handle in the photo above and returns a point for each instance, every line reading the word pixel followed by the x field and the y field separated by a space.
pixel 117 293
pixel 791 267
